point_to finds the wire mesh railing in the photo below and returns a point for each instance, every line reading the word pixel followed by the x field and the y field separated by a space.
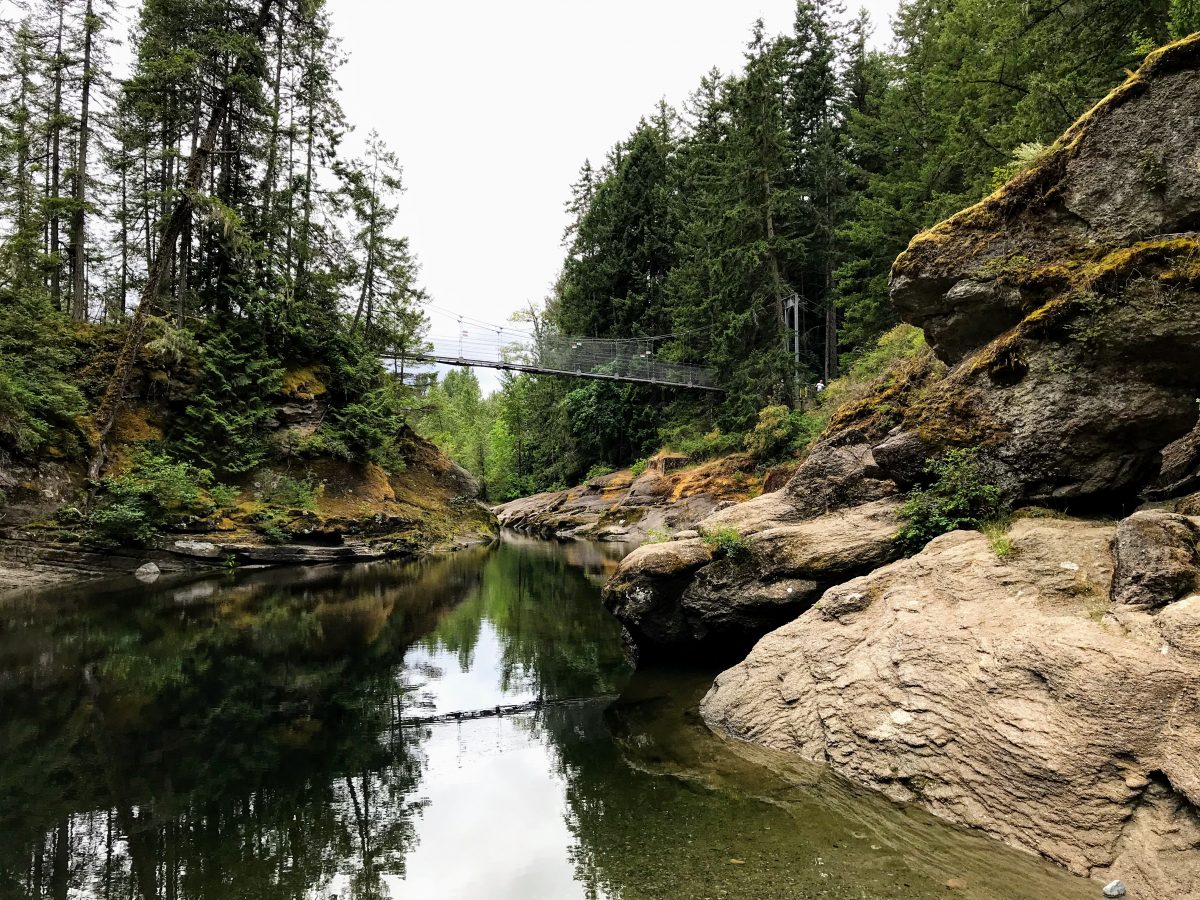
pixel 615 360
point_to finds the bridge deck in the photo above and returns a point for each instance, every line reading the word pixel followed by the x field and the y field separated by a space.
pixel 546 370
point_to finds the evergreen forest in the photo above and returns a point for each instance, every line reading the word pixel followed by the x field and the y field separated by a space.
pixel 801 176
pixel 196 230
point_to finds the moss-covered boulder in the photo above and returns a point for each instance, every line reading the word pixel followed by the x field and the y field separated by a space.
pixel 1067 303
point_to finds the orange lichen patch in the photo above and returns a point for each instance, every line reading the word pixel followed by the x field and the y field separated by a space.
pixel 305 383
pixel 953 418
pixel 375 485
pixel 730 477
pixel 970 232
pixel 1175 260
pixel 616 484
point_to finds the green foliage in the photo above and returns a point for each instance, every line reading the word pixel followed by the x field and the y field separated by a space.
pixel 273 534
pixel 368 428
pixel 1184 18
pixel 957 497
pixel 997 535
pixel 638 469
pixel 773 435
pixel 223 496
pixel 156 491
pixel 727 542
pixel 223 425
pixel 657 536
pixel 39 400
pixel 280 490
pixel 688 439
pixel 1025 156
pixel 899 343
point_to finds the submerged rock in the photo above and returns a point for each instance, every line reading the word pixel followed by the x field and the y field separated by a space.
pixel 147 572
pixel 1002 694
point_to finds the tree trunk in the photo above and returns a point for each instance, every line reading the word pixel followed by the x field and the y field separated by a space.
pixel 56 168
pixel 305 233
pixel 114 392
pixel 271 175
pixel 79 298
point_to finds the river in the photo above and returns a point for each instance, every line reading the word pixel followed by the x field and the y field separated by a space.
pixel 334 732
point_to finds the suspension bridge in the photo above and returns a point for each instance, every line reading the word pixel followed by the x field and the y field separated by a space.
pixel 484 345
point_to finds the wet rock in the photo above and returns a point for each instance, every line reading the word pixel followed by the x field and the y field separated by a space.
pixel 1000 695
pixel 147 572
pixel 644 593
pixel 1156 558
pixel 197 549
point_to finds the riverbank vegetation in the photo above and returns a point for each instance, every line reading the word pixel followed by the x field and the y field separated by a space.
pixel 193 271
pixel 193 267
pixel 803 174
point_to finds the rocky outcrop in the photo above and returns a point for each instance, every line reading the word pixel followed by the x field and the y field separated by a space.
pixel 695 597
pixel 666 498
pixel 1044 688
pixel 30 560
pixel 1067 304
pixel 1007 694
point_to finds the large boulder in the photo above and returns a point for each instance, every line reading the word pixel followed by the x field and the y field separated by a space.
pixel 1156 559
pixel 1004 693
pixel 1067 304
pixel 685 598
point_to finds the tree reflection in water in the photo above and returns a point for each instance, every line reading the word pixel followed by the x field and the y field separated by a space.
pixel 260 737
pixel 230 739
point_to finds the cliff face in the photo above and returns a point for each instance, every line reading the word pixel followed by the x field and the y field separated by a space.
pixel 1042 688
pixel 1067 304
pixel 358 510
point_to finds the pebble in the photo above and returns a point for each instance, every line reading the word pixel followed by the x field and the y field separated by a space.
pixel 1114 889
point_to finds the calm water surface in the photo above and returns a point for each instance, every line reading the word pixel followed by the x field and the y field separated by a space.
pixel 294 735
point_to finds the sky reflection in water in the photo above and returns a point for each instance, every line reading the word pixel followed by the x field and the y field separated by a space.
pixel 253 738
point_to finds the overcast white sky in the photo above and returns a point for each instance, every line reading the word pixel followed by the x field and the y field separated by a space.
pixel 492 108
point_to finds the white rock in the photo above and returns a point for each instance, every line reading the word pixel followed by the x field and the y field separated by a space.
pixel 147 573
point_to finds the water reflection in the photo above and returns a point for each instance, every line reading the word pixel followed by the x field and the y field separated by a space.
pixel 272 735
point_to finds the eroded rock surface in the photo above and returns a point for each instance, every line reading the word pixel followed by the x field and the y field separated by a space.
pixel 1156 559
pixel 1009 695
